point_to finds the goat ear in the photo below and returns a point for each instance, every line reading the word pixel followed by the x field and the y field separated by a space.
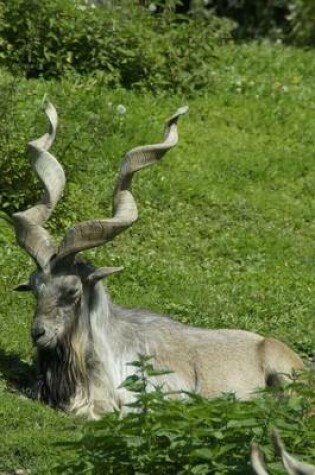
pixel 25 287
pixel 102 273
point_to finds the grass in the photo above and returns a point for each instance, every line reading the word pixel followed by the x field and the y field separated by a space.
pixel 226 231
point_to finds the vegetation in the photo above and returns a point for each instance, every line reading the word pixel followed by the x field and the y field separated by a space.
pixel 196 437
pixel 48 38
pixel 288 20
pixel 225 236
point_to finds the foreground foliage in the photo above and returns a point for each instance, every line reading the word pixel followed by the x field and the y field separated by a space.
pixel 194 437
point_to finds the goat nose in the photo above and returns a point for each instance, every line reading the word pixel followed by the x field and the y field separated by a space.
pixel 37 332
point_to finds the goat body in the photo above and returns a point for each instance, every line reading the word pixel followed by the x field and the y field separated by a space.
pixel 83 372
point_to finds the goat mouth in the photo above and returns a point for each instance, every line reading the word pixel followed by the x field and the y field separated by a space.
pixel 46 343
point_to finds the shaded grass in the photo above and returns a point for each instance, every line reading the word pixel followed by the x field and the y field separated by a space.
pixel 225 236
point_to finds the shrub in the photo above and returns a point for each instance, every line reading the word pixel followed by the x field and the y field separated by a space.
pixel 132 47
pixel 290 20
pixel 256 18
pixel 302 20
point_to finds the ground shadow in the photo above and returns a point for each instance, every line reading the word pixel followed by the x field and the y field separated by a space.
pixel 18 374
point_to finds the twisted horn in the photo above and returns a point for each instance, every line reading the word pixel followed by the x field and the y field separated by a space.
pixel 292 465
pixel 30 234
pixel 257 460
pixel 93 233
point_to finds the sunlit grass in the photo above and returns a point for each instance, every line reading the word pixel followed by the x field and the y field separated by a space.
pixel 226 232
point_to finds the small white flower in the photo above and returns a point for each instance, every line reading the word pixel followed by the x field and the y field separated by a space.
pixel 152 8
pixel 285 89
pixel 120 109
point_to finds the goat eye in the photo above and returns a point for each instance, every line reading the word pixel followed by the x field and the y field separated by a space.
pixel 71 295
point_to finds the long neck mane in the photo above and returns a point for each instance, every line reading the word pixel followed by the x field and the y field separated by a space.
pixel 57 379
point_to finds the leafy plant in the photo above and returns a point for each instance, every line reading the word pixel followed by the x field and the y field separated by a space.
pixel 199 437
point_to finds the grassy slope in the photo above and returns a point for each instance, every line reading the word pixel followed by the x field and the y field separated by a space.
pixel 226 230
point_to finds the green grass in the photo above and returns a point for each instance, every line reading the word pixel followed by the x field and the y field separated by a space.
pixel 226 231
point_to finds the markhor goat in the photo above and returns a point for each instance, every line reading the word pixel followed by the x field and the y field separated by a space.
pixel 84 341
